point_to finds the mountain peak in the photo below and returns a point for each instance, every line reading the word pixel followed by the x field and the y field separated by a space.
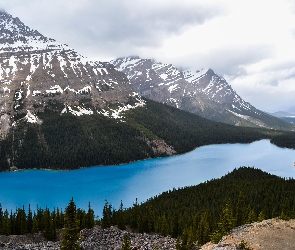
pixel 210 71
pixel 37 72
pixel 201 92
pixel 13 31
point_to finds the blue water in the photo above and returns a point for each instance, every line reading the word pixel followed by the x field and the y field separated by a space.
pixel 141 180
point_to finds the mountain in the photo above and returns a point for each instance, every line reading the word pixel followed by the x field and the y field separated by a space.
pixel 201 92
pixel 282 114
pixel 60 111
pixel 38 73
pixel 288 116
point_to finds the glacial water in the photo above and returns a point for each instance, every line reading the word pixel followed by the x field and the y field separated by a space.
pixel 141 180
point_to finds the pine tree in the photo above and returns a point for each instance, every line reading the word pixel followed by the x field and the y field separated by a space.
pixel 90 217
pixel 261 216
pixel 49 230
pixel 70 235
pixel 30 220
pixel 21 222
pixel 106 220
pixel 226 223
pixel 120 219
pixel 203 230
pixel 6 223
pixel 240 210
pixel 1 219
pixel 126 243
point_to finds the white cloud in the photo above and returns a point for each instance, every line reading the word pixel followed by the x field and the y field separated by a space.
pixel 250 43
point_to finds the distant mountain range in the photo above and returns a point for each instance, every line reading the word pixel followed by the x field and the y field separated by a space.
pixel 201 92
pixel 288 115
pixel 59 110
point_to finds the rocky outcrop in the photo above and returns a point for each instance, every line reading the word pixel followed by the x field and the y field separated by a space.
pixel 92 239
pixel 270 234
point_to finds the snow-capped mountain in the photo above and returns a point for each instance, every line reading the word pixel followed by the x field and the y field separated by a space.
pixel 201 92
pixel 38 72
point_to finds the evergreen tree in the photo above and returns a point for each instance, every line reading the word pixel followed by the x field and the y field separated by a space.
pixel 90 217
pixel 35 228
pixel 6 223
pixel 30 220
pixel 106 220
pixel 226 223
pixel 49 230
pixel 120 218
pixel 21 222
pixel 240 210
pixel 261 216
pixel 1 219
pixel 203 231
pixel 126 243
pixel 70 235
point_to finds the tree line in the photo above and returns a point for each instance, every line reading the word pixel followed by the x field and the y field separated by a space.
pixel 70 142
pixel 48 222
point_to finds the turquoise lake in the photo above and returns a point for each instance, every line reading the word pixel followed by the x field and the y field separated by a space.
pixel 141 180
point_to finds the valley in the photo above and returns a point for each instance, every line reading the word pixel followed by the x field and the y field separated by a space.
pixel 128 130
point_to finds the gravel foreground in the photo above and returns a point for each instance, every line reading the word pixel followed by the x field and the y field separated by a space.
pixel 92 239
pixel 273 234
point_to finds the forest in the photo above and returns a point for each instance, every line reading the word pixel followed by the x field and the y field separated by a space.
pixel 206 212
pixel 70 142
pixel 194 215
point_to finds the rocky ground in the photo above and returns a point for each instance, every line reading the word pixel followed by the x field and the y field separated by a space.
pixel 270 234
pixel 273 234
pixel 97 238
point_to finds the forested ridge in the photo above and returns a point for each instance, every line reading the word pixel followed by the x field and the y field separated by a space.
pixel 70 142
pixel 207 211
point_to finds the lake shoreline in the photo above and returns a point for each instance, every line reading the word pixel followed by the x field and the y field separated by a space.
pixel 139 180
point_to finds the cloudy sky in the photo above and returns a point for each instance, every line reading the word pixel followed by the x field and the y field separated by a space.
pixel 251 43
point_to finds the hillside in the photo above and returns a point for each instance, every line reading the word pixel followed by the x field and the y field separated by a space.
pixel 208 211
pixel 69 142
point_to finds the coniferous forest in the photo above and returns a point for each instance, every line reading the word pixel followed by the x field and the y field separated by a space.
pixel 70 142
pixel 194 215
pixel 208 211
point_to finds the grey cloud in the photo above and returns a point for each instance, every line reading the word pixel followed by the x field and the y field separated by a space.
pixel 114 26
pixel 148 22
pixel 228 60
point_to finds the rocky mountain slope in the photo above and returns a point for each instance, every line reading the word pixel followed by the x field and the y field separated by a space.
pixel 37 71
pixel 201 92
